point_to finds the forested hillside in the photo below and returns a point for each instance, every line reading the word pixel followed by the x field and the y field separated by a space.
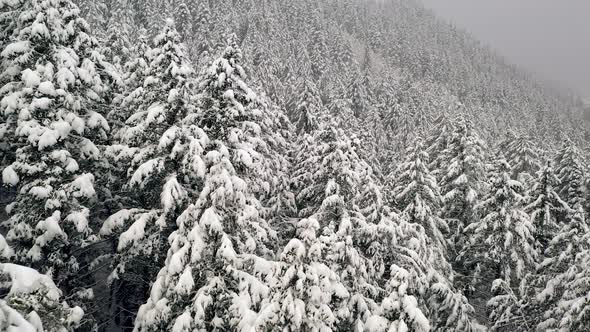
pixel 264 165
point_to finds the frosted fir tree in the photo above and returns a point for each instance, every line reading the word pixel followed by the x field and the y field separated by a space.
pixel 345 256
pixel 215 270
pixel 565 257
pixel 353 223
pixel 232 113
pixel 307 108
pixel 134 73
pixel 571 311
pixel 436 145
pixel 318 48
pixel 322 158
pixel 201 28
pixel 183 19
pixel 506 310
pixel 307 292
pixel 59 84
pixel 523 156
pixel 117 43
pixel 569 168
pixel 545 206
pixel 399 310
pixel 9 11
pixel 161 157
pixel 501 243
pixel 31 302
pixel 463 180
pixel 358 93
pixel 416 193
pixel 96 12
pixel 215 274
pixel 449 309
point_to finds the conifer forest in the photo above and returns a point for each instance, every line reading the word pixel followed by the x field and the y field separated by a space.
pixel 267 165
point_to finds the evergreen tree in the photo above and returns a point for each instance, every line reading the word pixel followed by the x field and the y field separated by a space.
pixel 558 274
pixel 308 291
pixel 523 156
pixel 212 278
pixel 59 84
pixel 325 157
pixel 358 93
pixel 8 18
pixel 165 171
pixel 231 112
pixel 307 109
pixel 118 33
pixel 570 171
pixel 31 302
pixel 134 73
pixel 183 19
pixel 400 311
pixel 201 28
pixel 436 146
pixel 318 49
pixel 463 181
pixel 215 274
pixel 500 245
pixel 97 13
pixel 417 195
pixel 545 207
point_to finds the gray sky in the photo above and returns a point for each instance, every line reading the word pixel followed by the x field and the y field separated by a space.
pixel 548 37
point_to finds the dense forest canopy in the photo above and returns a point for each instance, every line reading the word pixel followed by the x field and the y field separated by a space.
pixel 263 165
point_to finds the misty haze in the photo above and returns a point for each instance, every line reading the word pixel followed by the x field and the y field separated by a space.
pixel 301 165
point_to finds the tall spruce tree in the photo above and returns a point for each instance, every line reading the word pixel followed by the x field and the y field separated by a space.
pixel 570 171
pixel 161 150
pixel 522 154
pixel 59 84
pixel 501 242
pixel 463 181
pixel 545 207
pixel 416 193
pixel 217 266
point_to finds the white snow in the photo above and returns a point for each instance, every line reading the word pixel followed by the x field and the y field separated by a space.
pixel 172 95
pixel 185 282
pixel 5 250
pixel 63 128
pixel 42 103
pixel 116 221
pixel 48 138
pixel 145 170
pixel 168 137
pixel 135 232
pixel 182 322
pixel 47 88
pixel 97 121
pixel 13 320
pixel 376 324
pixel 172 194
pixel 79 219
pixel 9 176
pixel 30 78
pixel 65 78
pixel 27 280
pixel 41 192
pixel 20 46
pixel 51 229
pixel 39 29
pixel 84 185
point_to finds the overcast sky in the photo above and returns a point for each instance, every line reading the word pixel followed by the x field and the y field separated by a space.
pixel 549 37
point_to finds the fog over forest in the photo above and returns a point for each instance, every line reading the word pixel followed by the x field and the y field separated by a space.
pixel 551 38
